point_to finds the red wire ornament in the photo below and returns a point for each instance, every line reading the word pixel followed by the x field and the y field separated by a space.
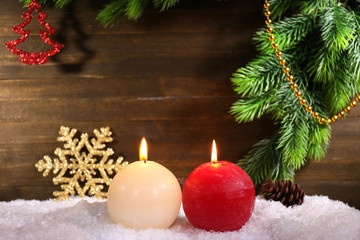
pixel 30 57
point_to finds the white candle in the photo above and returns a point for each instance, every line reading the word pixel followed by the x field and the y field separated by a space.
pixel 144 194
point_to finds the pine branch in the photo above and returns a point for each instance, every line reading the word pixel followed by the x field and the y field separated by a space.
pixel 322 45
pixel 257 77
pixel 61 3
pixel 337 27
pixel 284 97
pixel 293 133
pixel 135 9
pixel 264 161
pixel 340 90
pixel 279 7
pixel 164 4
pixel 326 58
pixel 321 65
pixel 319 137
pixel 112 13
pixel 354 56
pixel 288 33
pixel 117 10
pixel 57 3
pixel 314 7
pixel 294 137
pixel 247 109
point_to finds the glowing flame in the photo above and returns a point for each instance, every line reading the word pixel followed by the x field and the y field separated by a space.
pixel 214 153
pixel 143 150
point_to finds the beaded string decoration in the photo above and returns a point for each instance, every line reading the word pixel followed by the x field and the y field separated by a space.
pixel 30 57
pixel 290 77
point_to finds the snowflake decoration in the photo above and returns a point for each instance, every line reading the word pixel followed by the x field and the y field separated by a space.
pixel 78 170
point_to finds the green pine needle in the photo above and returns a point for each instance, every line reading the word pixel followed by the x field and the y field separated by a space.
pixel 341 90
pixel 116 10
pixel 326 61
pixel 321 45
pixel 337 27
pixel 279 7
pixel 354 61
pixel 293 140
pixel 264 161
pixel 314 7
pixel 289 33
pixel 113 13
pixel 164 4
pixel 258 77
pixel 61 3
pixel 135 9
pixel 246 110
pixel 319 137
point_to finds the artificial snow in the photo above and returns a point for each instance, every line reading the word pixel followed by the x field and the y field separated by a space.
pixel 317 218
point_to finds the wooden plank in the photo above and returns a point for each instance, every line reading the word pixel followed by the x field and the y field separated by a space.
pixel 27 192
pixel 17 138
pixel 181 151
pixel 191 66
pixel 185 16
pixel 158 44
pixel 99 109
pixel 109 88
pixel 327 170
pixel 345 191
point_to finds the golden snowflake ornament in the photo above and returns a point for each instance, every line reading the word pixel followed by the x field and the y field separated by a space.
pixel 83 166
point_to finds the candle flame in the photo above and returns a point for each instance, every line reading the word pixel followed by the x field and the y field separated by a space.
pixel 214 153
pixel 143 150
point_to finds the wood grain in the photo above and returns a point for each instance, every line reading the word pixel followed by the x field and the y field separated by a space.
pixel 166 77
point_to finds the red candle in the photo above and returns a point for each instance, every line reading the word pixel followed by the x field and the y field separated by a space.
pixel 218 196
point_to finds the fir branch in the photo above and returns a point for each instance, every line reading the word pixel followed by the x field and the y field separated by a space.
pixel 285 98
pixel 117 10
pixel 337 28
pixel 258 77
pixel 135 9
pixel 322 64
pixel 314 7
pixel 61 3
pixel 288 33
pixel 354 61
pixel 164 4
pixel 294 137
pixel 319 137
pixel 279 7
pixel 57 3
pixel 323 45
pixel 328 52
pixel 247 109
pixel 294 130
pixel 264 161
pixel 339 91
pixel 113 13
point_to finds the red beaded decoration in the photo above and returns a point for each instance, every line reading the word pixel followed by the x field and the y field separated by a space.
pixel 30 57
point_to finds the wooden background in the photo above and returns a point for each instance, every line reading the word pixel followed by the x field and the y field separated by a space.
pixel 165 77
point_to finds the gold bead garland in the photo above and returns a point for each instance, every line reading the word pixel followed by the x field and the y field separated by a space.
pixel 290 77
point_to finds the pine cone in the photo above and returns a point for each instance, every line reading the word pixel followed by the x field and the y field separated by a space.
pixel 286 192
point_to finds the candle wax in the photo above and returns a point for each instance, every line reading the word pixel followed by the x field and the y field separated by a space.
pixel 144 195
pixel 218 196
